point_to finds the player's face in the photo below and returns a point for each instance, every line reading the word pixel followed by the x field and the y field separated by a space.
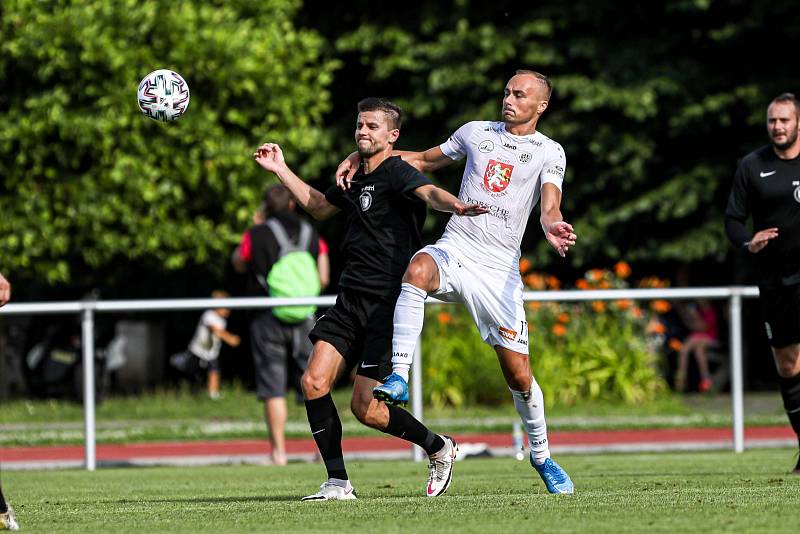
pixel 525 97
pixel 782 124
pixel 373 134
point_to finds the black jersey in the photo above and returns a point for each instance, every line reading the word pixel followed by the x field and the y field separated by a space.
pixel 768 188
pixel 384 225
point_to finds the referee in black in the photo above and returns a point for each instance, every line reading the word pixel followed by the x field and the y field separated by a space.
pixel 767 186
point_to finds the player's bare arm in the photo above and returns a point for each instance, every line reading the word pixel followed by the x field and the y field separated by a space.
pixel 270 157
pixel 230 339
pixel 559 233
pixel 5 290
pixel 761 239
pixel 440 200
pixel 425 162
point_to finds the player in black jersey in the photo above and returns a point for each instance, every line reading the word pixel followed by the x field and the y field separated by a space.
pixel 385 208
pixel 767 186
pixel 7 519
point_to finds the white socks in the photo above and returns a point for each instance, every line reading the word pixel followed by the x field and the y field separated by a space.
pixel 409 315
pixel 530 405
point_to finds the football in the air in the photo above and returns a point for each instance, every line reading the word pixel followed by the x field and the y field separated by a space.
pixel 163 95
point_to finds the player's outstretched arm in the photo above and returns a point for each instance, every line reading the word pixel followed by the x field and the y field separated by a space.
pixel 5 290
pixel 440 200
pixel 425 162
pixel 270 157
pixel 559 234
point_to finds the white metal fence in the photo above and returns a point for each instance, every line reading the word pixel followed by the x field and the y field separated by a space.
pixel 88 308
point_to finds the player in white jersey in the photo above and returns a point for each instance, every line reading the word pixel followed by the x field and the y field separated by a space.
pixel 510 167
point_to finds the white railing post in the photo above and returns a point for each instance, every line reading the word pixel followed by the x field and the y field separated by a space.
pixel 87 342
pixel 737 383
pixel 416 394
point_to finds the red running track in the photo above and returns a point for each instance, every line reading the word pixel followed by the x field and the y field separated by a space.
pixel 578 440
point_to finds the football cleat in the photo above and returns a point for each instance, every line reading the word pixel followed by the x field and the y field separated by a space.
pixel 796 470
pixel 555 478
pixel 394 390
pixel 8 521
pixel 331 491
pixel 441 468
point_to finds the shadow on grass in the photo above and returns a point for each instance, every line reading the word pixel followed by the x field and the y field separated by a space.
pixel 210 500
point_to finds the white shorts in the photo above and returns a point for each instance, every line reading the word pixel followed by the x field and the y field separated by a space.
pixel 494 299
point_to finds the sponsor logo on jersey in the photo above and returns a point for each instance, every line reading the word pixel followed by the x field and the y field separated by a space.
pixel 525 157
pixel 486 146
pixel 765 174
pixel 510 146
pixel 497 176
pixel 555 169
pixel 368 188
pixel 494 211
pixel 507 333
pixel 365 199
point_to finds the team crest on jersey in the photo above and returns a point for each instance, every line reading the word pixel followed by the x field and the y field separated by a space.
pixel 486 146
pixel 366 201
pixel 497 176
pixel 524 157
pixel 797 193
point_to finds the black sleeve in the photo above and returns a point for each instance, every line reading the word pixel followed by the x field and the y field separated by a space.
pixel 738 209
pixel 406 178
pixel 335 195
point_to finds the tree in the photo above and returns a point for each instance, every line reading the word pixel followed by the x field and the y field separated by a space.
pixel 88 184
pixel 653 102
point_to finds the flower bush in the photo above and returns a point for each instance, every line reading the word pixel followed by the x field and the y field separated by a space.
pixel 579 351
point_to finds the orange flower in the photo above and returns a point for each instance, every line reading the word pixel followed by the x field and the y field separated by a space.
pixel 604 284
pixel 553 282
pixel 636 312
pixel 599 306
pixel 444 318
pixel 675 344
pixel 534 306
pixel 622 269
pixel 660 306
pixel 582 284
pixel 525 265
pixel 563 317
pixel 623 304
pixel 595 275
pixel 655 327
pixel 534 281
pixel 559 329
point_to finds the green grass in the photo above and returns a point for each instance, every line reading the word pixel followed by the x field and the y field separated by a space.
pixel 681 492
pixel 179 415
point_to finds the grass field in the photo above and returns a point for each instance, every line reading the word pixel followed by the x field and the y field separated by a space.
pixel 680 492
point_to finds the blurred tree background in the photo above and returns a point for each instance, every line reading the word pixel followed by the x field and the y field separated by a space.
pixel 654 104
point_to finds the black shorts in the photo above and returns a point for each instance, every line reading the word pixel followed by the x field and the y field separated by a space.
pixel 781 307
pixel 359 326
pixel 280 353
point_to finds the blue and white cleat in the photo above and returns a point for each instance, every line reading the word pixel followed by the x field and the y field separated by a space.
pixel 555 478
pixel 393 391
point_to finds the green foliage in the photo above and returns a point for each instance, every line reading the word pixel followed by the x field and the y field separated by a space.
pixel 87 182
pixel 651 114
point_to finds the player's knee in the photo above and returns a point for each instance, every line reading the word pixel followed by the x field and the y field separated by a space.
pixel 314 385
pixel 520 381
pixel 788 361
pixel 420 274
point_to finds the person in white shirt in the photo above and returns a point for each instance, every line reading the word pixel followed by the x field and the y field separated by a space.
pixel 510 166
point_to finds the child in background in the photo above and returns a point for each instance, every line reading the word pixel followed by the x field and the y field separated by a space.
pixel 203 352
pixel 702 321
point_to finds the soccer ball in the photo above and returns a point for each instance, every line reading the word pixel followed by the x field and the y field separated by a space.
pixel 163 95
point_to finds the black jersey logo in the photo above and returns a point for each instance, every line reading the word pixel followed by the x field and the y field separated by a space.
pixel 366 200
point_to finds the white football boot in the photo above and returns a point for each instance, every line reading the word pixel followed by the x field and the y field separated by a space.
pixel 8 521
pixel 333 490
pixel 441 468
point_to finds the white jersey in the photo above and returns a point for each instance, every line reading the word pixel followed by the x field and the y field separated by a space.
pixel 205 344
pixel 505 173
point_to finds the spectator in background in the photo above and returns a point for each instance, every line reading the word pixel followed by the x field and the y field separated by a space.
pixel 279 344
pixel 701 319
pixel 7 519
pixel 204 348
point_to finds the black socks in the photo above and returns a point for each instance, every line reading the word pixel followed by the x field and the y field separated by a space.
pixel 404 426
pixel 326 427
pixel 790 391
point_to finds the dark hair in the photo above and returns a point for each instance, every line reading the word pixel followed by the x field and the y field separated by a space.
pixel 788 97
pixel 539 76
pixel 394 115
pixel 276 199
